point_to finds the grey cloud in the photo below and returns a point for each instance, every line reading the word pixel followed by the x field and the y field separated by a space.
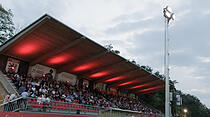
pixel 132 26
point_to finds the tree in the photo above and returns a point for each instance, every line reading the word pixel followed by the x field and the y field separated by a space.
pixel 6 24
pixel 194 106
pixel 147 68
pixel 110 48
pixel 191 103
pixel 157 73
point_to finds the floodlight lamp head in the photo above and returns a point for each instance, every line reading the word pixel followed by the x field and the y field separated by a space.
pixel 173 16
pixel 169 9
pixel 167 14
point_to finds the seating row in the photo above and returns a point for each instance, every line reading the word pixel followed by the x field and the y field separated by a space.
pixel 62 106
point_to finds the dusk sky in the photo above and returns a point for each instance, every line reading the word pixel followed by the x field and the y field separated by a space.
pixel 136 29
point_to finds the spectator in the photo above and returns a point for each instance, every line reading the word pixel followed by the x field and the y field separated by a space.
pixel 39 99
pixel 12 97
pixel 21 89
pixel 49 75
pixel 47 89
pixel 6 100
pixel 11 102
pixel 25 94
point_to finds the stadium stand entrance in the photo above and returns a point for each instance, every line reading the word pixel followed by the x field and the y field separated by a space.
pixel 50 58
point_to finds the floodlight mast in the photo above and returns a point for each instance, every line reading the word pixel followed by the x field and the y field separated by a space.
pixel 168 16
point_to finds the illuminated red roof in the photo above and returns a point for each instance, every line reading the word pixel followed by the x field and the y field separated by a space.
pixel 51 43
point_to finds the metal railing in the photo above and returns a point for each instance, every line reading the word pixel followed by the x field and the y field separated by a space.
pixel 33 105
pixel 12 106
pixel 115 112
pixel 58 106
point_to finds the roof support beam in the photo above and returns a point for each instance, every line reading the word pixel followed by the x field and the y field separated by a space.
pixel 104 67
pixel 154 90
pixel 147 87
pixel 116 75
pixel 147 83
pixel 142 77
pixel 56 51
pixel 80 62
pixel 151 89
pixel 140 83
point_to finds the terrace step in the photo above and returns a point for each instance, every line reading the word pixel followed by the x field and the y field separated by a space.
pixel 7 84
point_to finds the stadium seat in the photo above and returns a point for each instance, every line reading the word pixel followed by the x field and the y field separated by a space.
pixel 73 107
pixel 29 100
pixel 66 106
pixel 82 108
pixel 54 105
pixel 60 105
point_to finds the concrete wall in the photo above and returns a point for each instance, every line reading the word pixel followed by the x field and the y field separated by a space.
pixel 124 113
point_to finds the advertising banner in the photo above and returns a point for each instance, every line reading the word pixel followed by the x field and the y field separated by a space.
pixel 122 92
pixel 85 83
pixel 100 86
pixel 67 77
pixel 39 70
pixel 171 96
pixel 113 90
pixel 12 65
pixel 179 100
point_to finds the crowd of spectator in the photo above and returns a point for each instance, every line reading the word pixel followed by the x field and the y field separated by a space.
pixel 46 89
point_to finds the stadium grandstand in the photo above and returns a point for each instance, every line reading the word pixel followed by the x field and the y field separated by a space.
pixel 49 69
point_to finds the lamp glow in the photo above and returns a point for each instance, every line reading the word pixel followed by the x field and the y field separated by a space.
pixel 168 13
pixel 169 9
pixel 185 110
pixel 173 16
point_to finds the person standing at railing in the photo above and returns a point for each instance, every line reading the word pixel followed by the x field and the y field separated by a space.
pixel 46 101
pixel 6 100
pixel 39 99
pixel 12 97
pixel 12 104
pixel 25 94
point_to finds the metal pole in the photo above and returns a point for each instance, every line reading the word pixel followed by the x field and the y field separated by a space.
pixel 166 71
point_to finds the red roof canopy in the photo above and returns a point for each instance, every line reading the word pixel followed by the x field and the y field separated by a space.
pixel 51 43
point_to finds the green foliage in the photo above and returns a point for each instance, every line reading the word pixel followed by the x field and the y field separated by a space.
pixel 191 103
pixel 155 99
pixel 147 68
pixel 194 106
pixel 6 24
pixel 157 73
pixel 110 48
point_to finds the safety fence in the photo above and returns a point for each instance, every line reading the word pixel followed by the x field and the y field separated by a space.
pixel 14 105
pixel 115 112
pixel 33 105
pixel 25 114
pixel 58 107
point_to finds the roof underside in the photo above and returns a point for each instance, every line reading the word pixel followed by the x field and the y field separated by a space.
pixel 51 43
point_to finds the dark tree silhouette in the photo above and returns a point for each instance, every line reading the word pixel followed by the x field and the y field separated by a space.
pixel 6 24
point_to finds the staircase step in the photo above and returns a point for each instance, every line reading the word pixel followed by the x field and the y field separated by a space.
pixel 8 84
